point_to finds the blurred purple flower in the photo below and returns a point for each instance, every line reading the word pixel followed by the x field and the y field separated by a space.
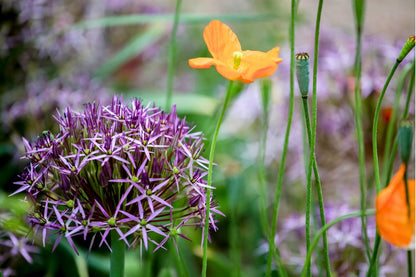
pixel 133 169
pixel 344 240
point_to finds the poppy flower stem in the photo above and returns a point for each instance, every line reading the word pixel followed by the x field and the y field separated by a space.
pixel 309 181
pixel 118 248
pixel 313 135
pixel 279 183
pixel 392 122
pixel 359 7
pixel 209 178
pixel 403 117
pixel 324 229
pixel 172 51
pixel 373 260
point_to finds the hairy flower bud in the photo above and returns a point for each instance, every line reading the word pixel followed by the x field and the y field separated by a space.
pixel 302 73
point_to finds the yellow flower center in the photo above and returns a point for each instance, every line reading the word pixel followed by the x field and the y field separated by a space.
pixel 237 59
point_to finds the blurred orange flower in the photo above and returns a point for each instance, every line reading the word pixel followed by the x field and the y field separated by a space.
pixel 395 223
pixel 228 58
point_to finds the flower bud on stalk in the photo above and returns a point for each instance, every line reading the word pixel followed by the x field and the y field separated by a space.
pixel 408 46
pixel 302 73
pixel 405 141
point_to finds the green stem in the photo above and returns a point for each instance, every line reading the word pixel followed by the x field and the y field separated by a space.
pixel 308 180
pixel 391 124
pixel 313 135
pixel 272 247
pixel 325 228
pixel 118 249
pixel 403 117
pixel 410 92
pixel 209 181
pixel 373 260
pixel 359 128
pixel 375 123
pixel 172 51
pixel 409 263
pixel 374 257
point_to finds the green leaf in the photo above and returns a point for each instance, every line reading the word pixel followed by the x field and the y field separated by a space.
pixel 133 48
pixel 147 18
pixel 186 103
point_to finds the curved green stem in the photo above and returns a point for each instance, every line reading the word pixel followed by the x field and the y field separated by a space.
pixel 375 123
pixel 172 50
pixel 287 134
pixel 325 228
pixel 118 249
pixel 313 135
pixel 209 181
pixel 374 256
pixel 403 117
pixel 392 122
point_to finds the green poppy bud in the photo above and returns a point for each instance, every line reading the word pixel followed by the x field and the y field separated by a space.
pixel 408 46
pixel 405 140
pixel 302 73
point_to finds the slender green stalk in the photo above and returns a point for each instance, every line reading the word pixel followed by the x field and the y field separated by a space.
pixel 392 122
pixel 375 123
pixel 409 263
pixel 374 256
pixel 403 117
pixel 118 249
pixel 309 181
pixel 325 228
pixel 262 169
pixel 272 247
pixel 409 93
pixel 313 135
pixel 172 51
pixel 209 181
pixel 359 12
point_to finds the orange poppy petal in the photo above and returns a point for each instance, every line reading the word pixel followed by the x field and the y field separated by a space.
pixel 392 218
pixel 256 64
pixel 201 62
pixel 228 72
pixel 221 41
pixel 274 55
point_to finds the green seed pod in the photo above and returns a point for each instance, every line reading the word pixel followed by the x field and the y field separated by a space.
pixel 302 73
pixel 408 46
pixel 405 140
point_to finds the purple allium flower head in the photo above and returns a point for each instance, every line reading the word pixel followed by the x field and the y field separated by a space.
pixel 134 169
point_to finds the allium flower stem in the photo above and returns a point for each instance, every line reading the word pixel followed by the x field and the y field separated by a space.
pixel 325 228
pixel 209 180
pixel 359 12
pixel 118 249
pixel 272 247
pixel 313 135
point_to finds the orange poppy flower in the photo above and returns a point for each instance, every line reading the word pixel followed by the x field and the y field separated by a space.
pixel 395 223
pixel 228 58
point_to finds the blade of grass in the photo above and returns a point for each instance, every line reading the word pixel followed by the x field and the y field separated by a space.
pixel 133 19
pixel 133 48
pixel 186 103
